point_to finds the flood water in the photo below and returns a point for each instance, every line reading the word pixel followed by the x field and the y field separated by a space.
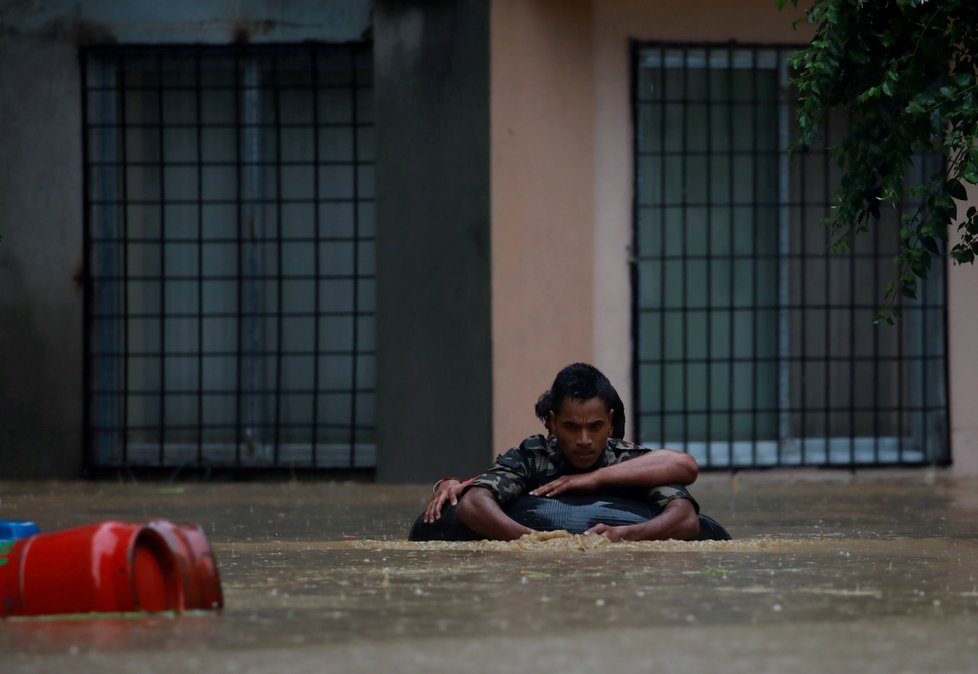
pixel 861 572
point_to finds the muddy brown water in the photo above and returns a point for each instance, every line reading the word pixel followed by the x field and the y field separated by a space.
pixel 861 572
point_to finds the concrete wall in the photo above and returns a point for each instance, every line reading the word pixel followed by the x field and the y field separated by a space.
pixel 40 260
pixel 189 21
pixel 434 356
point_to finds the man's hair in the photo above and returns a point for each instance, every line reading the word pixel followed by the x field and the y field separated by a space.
pixel 543 407
pixel 580 382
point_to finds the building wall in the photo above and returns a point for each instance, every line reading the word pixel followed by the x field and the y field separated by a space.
pixel 507 184
pixel 562 181
pixel 962 319
pixel 434 356
pixel 562 194
pixel 188 21
pixel 40 259
pixel 543 262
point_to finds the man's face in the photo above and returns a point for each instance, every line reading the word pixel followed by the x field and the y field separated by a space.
pixel 582 428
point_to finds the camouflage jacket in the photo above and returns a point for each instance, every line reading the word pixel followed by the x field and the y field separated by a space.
pixel 538 461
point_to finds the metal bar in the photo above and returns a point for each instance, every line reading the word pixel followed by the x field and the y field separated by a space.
pixel 200 258
pixel 633 69
pixel 708 75
pixel 162 187
pixel 849 358
pixel 946 458
pixel 783 385
pixel 803 314
pixel 226 277
pixel 254 126
pixel 222 314
pixel 279 259
pixel 231 354
pixel 105 415
pixel 239 256
pixel 755 263
pixel 731 188
pixel 356 259
pixel 190 391
pixel 314 74
pixel 664 105
pixel 251 201
pixel 88 444
pixel 124 150
pixel 828 300
pixel 228 239
pixel 298 425
pixel 253 288
pixel 684 250
pixel 922 430
pixel 901 432
pixel 876 348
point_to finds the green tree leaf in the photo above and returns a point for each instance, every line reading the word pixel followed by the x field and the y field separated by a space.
pixel 905 74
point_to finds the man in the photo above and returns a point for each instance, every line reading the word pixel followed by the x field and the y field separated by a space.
pixel 581 455
pixel 448 489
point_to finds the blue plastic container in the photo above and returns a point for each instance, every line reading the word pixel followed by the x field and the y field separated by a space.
pixel 11 530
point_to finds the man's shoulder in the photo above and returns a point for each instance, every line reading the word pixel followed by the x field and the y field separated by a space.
pixel 621 445
pixel 535 443
pixel 529 452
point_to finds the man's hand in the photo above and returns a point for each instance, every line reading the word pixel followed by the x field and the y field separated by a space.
pixel 446 491
pixel 611 533
pixel 579 482
pixel 677 520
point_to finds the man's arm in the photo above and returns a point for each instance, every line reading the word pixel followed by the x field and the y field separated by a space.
pixel 677 520
pixel 480 512
pixel 663 466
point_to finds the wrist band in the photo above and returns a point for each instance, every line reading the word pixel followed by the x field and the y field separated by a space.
pixel 435 487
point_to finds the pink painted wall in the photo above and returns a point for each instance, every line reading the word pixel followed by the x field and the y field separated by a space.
pixel 542 149
pixel 962 324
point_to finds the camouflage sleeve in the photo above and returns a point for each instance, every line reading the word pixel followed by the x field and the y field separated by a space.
pixel 623 450
pixel 662 495
pixel 507 479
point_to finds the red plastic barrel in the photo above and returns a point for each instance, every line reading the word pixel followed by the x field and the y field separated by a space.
pixel 107 567
pixel 195 563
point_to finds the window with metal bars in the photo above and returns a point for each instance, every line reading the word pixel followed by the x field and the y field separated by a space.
pixel 229 233
pixel 754 345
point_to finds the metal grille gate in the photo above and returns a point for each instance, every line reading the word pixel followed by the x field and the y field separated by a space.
pixel 229 244
pixel 753 345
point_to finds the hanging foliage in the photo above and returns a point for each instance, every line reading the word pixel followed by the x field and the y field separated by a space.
pixel 904 73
